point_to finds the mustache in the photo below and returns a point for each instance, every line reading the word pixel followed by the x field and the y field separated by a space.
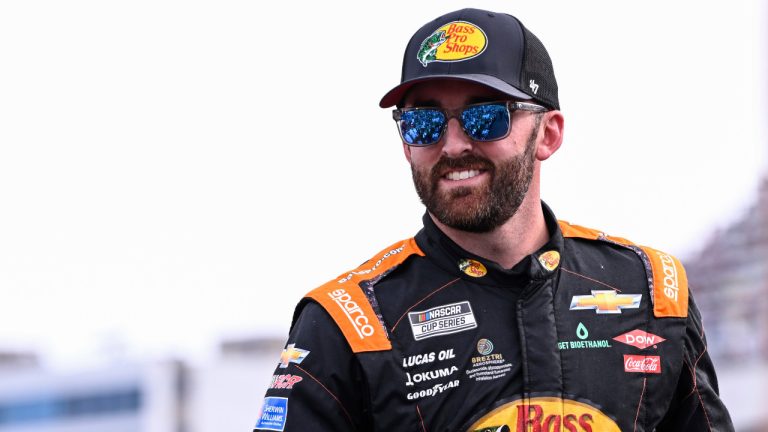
pixel 466 162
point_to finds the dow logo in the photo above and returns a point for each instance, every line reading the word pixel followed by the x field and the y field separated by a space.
pixel 639 339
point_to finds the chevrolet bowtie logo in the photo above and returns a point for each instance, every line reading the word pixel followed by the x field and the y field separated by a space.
pixel 291 354
pixel 606 302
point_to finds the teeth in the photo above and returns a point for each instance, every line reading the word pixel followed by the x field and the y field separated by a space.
pixel 462 175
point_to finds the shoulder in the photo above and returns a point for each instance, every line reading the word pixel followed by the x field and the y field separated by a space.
pixel 666 275
pixel 349 305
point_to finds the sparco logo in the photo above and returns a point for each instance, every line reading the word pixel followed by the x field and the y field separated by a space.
pixel 670 275
pixel 353 312
pixel 642 364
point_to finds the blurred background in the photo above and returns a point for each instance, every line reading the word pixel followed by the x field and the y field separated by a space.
pixel 174 176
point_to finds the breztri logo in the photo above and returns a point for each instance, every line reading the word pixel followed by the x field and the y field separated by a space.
pixel 353 312
pixel 670 276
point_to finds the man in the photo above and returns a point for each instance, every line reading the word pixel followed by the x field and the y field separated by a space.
pixel 495 316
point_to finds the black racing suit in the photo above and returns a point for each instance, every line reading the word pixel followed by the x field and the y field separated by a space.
pixel 589 333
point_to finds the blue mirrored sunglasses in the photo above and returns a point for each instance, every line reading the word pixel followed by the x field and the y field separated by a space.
pixel 481 122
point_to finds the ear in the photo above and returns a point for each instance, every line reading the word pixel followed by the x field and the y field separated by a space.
pixel 407 152
pixel 551 134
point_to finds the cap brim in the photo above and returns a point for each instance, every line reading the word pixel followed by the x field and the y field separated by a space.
pixel 395 96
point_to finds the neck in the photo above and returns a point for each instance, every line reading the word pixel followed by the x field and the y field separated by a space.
pixel 521 235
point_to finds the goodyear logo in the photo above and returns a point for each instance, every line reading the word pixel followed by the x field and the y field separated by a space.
pixel 455 41
pixel 545 414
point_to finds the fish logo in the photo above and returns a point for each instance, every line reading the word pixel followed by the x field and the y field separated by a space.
pixel 473 268
pixel 452 42
pixel 429 47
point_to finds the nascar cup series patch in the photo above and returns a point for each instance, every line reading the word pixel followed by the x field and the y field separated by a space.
pixel 442 320
pixel 455 41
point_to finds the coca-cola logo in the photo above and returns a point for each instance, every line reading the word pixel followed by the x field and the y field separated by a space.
pixel 642 364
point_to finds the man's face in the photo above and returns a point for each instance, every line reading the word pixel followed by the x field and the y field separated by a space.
pixel 467 185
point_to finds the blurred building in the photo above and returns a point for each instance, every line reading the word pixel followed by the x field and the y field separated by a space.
pixel 729 279
pixel 125 398
pixel 169 396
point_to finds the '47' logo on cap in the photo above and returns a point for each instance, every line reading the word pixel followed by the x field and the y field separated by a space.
pixel 291 354
pixel 606 301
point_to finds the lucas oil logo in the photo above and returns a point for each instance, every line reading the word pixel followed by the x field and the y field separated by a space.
pixel 545 414
pixel 442 320
pixel 455 41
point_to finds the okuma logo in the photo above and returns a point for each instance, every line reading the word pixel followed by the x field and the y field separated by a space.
pixel 455 41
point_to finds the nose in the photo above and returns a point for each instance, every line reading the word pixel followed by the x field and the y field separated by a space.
pixel 455 141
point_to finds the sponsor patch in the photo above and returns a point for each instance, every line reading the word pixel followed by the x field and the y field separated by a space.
pixel 455 41
pixel 427 358
pixel 606 302
pixel 583 343
pixel 489 365
pixel 642 364
pixel 273 414
pixel 286 381
pixel 670 284
pixel 484 346
pixel 442 320
pixel 432 391
pixel 550 260
pixel 473 268
pixel 545 414
pixel 421 377
pixel 639 339
pixel 291 354
pixel 354 313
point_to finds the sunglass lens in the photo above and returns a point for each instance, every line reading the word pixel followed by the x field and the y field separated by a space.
pixel 486 122
pixel 421 126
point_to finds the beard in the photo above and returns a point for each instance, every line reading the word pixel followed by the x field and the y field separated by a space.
pixel 478 209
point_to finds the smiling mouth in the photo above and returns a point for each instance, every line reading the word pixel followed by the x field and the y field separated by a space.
pixel 462 175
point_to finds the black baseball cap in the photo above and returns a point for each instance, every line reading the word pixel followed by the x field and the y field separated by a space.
pixel 489 48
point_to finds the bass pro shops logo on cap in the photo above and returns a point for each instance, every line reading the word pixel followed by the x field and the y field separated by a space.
pixel 455 41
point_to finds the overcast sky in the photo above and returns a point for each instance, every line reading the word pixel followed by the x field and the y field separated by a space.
pixel 177 172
